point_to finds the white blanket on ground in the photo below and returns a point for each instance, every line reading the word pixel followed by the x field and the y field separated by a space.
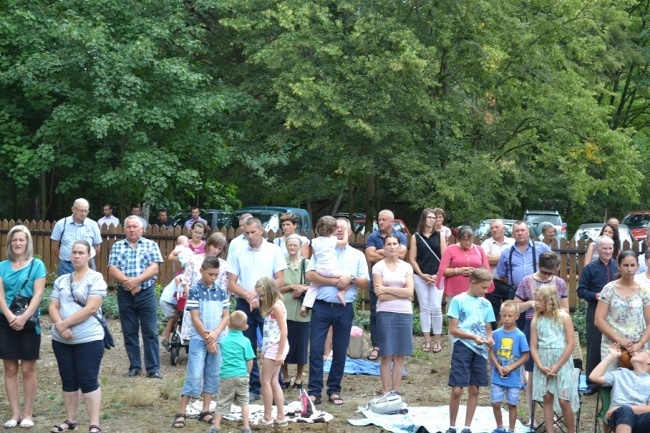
pixel 291 411
pixel 434 420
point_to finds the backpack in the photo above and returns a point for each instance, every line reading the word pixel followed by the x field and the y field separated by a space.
pixel 388 404
pixel 307 406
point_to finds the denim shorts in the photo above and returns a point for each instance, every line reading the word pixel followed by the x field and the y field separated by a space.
pixel 202 369
pixel 467 367
pixel 497 393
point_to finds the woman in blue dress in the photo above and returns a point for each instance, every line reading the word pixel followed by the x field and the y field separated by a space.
pixel 20 273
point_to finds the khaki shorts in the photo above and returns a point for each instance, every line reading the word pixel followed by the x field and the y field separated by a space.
pixel 233 390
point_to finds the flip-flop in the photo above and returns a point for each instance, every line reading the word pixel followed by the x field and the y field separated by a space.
pixel 437 347
pixel 426 346
pixel 373 355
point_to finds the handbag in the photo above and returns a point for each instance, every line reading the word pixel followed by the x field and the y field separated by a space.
pixel 388 404
pixel 20 303
pixel 109 341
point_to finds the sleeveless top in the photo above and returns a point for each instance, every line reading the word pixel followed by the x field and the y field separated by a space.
pixel 427 262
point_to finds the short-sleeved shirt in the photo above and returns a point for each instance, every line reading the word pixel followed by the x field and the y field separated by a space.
pixel 108 221
pixel 13 280
pixel 376 240
pixel 133 261
pixel 283 244
pixel 252 264
pixel 325 252
pixel 92 284
pixel 292 275
pixel 189 222
pixel 236 351
pixel 522 264
pixel 210 301
pixel 628 387
pixel 508 348
pixel 493 248
pixel 473 315
pixel 349 259
pixel 625 316
pixel 66 231
pixel 529 285
pixel 394 278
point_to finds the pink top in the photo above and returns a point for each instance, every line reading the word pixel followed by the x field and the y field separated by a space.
pixel 198 250
pixel 397 279
pixel 456 257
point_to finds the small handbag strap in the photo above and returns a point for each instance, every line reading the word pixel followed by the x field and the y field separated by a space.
pixel 429 247
pixel 95 315
pixel 29 271
pixel 302 271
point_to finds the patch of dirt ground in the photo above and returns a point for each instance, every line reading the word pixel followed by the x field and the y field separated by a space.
pixel 148 405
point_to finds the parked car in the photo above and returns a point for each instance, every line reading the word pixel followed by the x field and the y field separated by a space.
pixel 398 226
pixel 215 217
pixel 638 222
pixel 537 217
pixel 482 230
pixel 591 231
pixel 270 217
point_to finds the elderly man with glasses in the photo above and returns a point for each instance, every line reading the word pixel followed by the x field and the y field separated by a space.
pixel 73 228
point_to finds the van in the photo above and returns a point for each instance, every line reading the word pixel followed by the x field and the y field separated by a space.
pixel 270 217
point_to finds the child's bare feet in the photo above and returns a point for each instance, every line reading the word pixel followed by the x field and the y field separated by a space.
pixel 303 311
pixel 341 296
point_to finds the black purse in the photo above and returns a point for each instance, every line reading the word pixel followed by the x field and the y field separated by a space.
pixel 20 303
pixel 109 341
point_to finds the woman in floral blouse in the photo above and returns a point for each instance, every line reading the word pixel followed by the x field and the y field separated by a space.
pixel 623 311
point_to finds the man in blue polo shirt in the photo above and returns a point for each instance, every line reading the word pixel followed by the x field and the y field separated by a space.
pixel 328 311
pixel 375 253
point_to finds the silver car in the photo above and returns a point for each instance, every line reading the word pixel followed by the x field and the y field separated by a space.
pixel 591 231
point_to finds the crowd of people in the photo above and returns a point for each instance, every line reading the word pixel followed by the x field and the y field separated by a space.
pixel 485 288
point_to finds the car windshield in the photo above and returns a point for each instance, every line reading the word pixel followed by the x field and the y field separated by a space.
pixel 546 218
pixel 637 221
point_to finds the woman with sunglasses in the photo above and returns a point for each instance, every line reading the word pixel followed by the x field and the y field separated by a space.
pixel 525 297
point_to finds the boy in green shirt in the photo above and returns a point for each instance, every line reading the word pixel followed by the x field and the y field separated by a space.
pixel 236 363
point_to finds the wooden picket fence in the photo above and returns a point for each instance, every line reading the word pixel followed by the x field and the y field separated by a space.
pixel 571 253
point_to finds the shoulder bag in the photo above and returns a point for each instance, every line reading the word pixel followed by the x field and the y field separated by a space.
pixel 20 303
pixel 439 284
pixel 109 341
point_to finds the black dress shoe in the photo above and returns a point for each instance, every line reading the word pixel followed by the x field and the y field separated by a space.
pixel 133 372
pixel 591 390
pixel 155 375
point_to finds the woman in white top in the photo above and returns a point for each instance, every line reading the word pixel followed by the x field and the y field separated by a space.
pixel 393 284
pixel 289 224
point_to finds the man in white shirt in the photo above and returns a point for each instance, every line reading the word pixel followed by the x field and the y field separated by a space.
pixel 493 247
pixel 108 219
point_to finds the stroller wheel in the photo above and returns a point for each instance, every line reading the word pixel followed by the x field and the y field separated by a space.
pixel 175 349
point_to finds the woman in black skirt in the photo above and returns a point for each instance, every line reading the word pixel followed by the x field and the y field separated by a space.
pixel 393 284
pixel 20 274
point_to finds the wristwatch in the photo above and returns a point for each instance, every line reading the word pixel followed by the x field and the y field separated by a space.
pixel 352 278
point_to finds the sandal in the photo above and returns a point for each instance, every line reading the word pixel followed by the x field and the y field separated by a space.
pixel 94 429
pixel 285 385
pixel 179 423
pixel 267 423
pixel 69 426
pixel 426 346
pixel 335 399
pixel 27 423
pixel 315 399
pixel 437 348
pixel 281 422
pixel 12 423
pixel 209 421
pixel 297 385
pixel 373 355
pixel 167 345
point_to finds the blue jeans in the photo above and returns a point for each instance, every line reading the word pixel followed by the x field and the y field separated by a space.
pixel 625 415
pixel 140 311
pixel 202 369
pixel 67 268
pixel 79 364
pixel 324 315
pixel 255 320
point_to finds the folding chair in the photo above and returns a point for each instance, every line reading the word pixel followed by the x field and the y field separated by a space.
pixel 603 399
pixel 577 371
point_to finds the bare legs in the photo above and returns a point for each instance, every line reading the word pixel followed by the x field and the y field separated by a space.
pixel 271 390
pixel 12 387
pixel 391 381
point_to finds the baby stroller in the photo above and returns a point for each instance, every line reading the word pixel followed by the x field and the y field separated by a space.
pixel 177 341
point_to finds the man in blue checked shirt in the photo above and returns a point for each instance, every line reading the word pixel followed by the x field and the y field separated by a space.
pixel 133 264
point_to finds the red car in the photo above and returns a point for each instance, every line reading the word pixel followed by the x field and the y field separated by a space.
pixel 638 222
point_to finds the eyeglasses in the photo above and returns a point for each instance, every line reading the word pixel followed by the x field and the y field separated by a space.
pixel 85 212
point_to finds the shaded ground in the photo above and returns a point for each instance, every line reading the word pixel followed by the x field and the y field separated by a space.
pixel 148 405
